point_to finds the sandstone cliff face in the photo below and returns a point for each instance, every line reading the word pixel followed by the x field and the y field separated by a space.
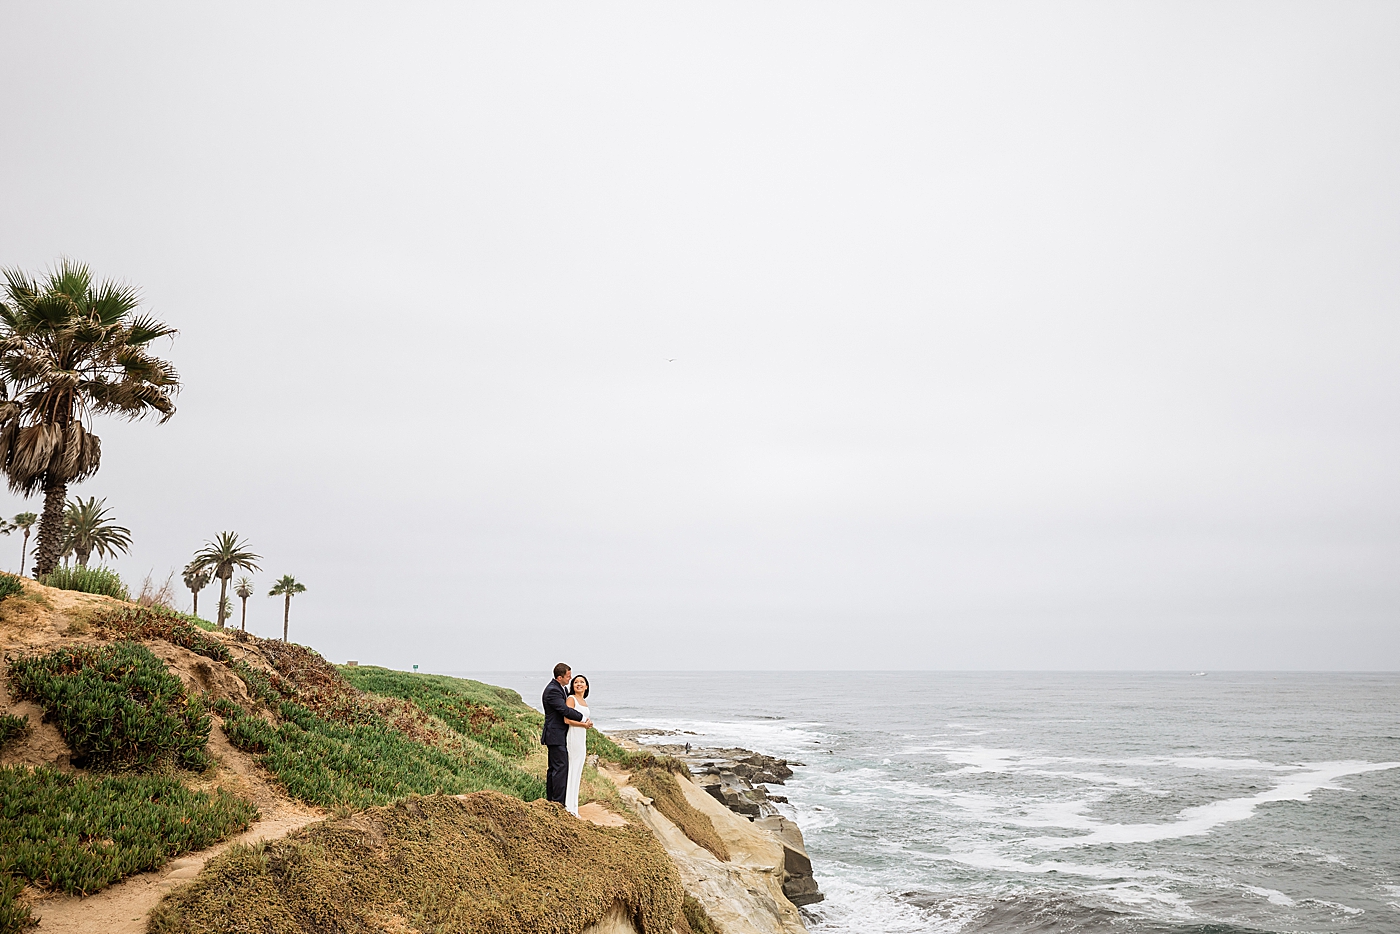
pixel 743 895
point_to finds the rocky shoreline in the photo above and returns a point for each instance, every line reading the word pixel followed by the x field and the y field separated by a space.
pixel 738 779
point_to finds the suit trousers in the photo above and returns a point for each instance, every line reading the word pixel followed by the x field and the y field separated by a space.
pixel 556 782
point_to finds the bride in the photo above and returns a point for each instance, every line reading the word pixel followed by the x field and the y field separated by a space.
pixel 578 740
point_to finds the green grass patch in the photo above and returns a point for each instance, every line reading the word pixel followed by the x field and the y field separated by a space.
pixel 371 762
pixel 495 717
pixel 9 585
pixel 12 728
pixel 117 706
pixel 484 864
pixel 660 785
pixel 76 834
pixel 155 622
pixel 104 581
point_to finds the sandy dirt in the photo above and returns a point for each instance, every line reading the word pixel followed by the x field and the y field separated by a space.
pixel 596 813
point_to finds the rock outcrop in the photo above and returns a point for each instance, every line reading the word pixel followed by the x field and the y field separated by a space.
pixel 736 778
pixel 743 895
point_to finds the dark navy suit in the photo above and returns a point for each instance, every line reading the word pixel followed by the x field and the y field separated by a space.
pixel 555 738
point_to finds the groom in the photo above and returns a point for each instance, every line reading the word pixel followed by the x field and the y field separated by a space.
pixel 556 732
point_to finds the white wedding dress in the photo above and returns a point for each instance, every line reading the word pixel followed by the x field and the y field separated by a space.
pixel 578 751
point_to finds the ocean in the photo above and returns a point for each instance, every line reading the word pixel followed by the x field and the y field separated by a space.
pixel 1059 803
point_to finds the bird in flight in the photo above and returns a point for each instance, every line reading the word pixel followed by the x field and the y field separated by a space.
pixel 670 359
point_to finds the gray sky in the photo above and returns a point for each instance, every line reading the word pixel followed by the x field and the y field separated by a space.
pixel 1005 336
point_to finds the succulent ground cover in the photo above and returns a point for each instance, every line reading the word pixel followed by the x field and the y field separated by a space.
pixel 117 706
pixel 14 914
pixel 482 864
pixel 9 585
pixel 331 744
pixel 79 834
pixel 12 727
pixel 492 716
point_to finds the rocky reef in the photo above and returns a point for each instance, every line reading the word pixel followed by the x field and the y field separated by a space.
pixel 738 779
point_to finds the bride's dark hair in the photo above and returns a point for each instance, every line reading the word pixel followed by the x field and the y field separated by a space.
pixel 578 678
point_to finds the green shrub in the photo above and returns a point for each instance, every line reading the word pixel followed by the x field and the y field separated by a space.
pixel 493 716
pixel 14 914
pixel 78 835
pixel 9 586
pixel 154 622
pixel 328 763
pixel 117 706
pixel 103 581
pixel 12 727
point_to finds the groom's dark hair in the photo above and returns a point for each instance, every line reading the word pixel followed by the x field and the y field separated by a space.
pixel 561 669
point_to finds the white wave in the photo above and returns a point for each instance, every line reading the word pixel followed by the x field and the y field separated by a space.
pixel 854 908
pixel 1205 818
pixel 1334 906
pixel 1274 896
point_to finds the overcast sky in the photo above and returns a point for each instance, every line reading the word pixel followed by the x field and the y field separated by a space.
pixel 812 335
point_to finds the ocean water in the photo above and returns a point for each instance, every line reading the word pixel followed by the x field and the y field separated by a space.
pixel 1135 803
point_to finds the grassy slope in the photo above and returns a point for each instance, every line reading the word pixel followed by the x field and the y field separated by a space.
pixel 492 716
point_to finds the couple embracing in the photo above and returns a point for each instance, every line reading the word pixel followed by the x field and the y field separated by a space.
pixel 566 723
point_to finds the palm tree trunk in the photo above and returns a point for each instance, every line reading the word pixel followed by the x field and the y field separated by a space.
pixel 286 611
pixel 23 552
pixel 243 623
pixel 223 594
pixel 196 602
pixel 50 527
pixel 83 558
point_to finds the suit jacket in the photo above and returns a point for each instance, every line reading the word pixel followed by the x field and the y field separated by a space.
pixel 556 732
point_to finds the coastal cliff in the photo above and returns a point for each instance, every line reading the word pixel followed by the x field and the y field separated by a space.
pixel 284 795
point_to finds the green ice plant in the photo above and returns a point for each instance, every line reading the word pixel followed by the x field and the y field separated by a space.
pixel 117 706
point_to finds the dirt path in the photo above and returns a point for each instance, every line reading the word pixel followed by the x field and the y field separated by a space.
pixel 122 909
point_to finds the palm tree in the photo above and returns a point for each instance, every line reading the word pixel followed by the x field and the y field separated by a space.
pixel 287 585
pixel 25 521
pixel 88 528
pixel 196 580
pixel 222 556
pixel 244 589
pixel 71 349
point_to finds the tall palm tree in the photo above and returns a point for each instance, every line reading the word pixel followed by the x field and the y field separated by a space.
pixel 287 585
pixel 71 349
pixel 6 527
pixel 196 580
pixel 89 528
pixel 244 589
pixel 223 556
pixel 25 521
